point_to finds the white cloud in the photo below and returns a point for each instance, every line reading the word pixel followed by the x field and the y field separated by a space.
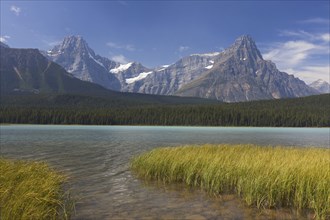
pixel 127 47
pixel 292 53
pixel 306 35
pixel 15 9
pixel 120 58
pixel 306 54
pixel 311 73
pixel 4 38
pixel 183 48
pixel 325 37
pixel 315 21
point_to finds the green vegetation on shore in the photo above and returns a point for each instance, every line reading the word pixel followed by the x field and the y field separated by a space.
pixel 310 111
pixel 32 190
pixel 266 177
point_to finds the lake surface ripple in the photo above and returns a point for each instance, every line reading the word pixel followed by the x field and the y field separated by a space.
pixel 96 158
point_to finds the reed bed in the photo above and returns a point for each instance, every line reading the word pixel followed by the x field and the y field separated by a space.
pixel 32 190
pixel 265 177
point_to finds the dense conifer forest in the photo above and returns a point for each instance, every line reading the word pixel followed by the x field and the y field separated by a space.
pixel 310 111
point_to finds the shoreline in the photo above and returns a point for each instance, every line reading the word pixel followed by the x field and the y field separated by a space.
pixel 263 177
pixel 33 190
pixel 128 125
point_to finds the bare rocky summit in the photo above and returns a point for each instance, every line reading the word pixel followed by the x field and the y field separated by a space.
pixel 236 74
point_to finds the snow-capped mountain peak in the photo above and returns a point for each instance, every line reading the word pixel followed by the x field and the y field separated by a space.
pixel 74 54
pixel 237 73
pixel 321 86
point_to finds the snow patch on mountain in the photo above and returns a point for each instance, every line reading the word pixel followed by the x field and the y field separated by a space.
pixel 137 78
pixel 53 54
pixel 121 68
pixel 163 68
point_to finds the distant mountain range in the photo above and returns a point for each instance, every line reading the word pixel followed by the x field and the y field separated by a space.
pixel 321 86
pixel 29 78
pixel 236 74
pixel 28 71
pixel 80 60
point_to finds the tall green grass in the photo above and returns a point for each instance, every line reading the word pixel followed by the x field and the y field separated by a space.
pixel 32 190
pixel 266 177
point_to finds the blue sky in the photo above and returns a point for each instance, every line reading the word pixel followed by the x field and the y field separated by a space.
pixel 293 34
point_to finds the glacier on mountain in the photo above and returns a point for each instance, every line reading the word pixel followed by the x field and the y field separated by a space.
pixel 139 77
pixel 121 68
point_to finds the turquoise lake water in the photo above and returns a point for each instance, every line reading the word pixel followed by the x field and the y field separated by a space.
pixel 97 160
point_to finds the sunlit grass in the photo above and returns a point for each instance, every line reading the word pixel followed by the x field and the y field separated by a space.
pixel 266 177
pixel 32 190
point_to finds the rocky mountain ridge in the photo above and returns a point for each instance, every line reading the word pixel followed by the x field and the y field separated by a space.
pixel 236 74
pixel 28 71
pixel 75 55
pixel 241 74
pixel 321 86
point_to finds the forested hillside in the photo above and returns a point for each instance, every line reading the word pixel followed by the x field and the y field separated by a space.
pixel 310 111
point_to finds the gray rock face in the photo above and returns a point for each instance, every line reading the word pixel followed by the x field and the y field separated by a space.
pixel 129 73
pixel 25 71
pixel 321 86
pixel 167 79
pixel 241 74
pixel 78 59
pixel 238 73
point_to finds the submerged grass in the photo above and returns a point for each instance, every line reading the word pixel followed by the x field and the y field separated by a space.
pixel 266 177
pixel 32 190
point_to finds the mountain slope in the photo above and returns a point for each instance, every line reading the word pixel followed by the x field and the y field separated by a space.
pixel 28 78
pixel 321 86
pixel 169 78
pixel 78 58
pixel 27 70
pixel 237 74
pixel 241 74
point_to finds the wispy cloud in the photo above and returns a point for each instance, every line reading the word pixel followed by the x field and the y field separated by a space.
pixel 120 58
pixel 311 73
pixel 15 10
pixel 292 53
pixel 128 47
pixel 306 54
pixel 315 21
pixel 4 38
pixel 301 34
pixel 183 48
pixel 325 37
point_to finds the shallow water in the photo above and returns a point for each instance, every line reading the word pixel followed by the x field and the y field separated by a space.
pixel 97 160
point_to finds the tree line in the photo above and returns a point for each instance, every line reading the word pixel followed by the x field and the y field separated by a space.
pixel 302 112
